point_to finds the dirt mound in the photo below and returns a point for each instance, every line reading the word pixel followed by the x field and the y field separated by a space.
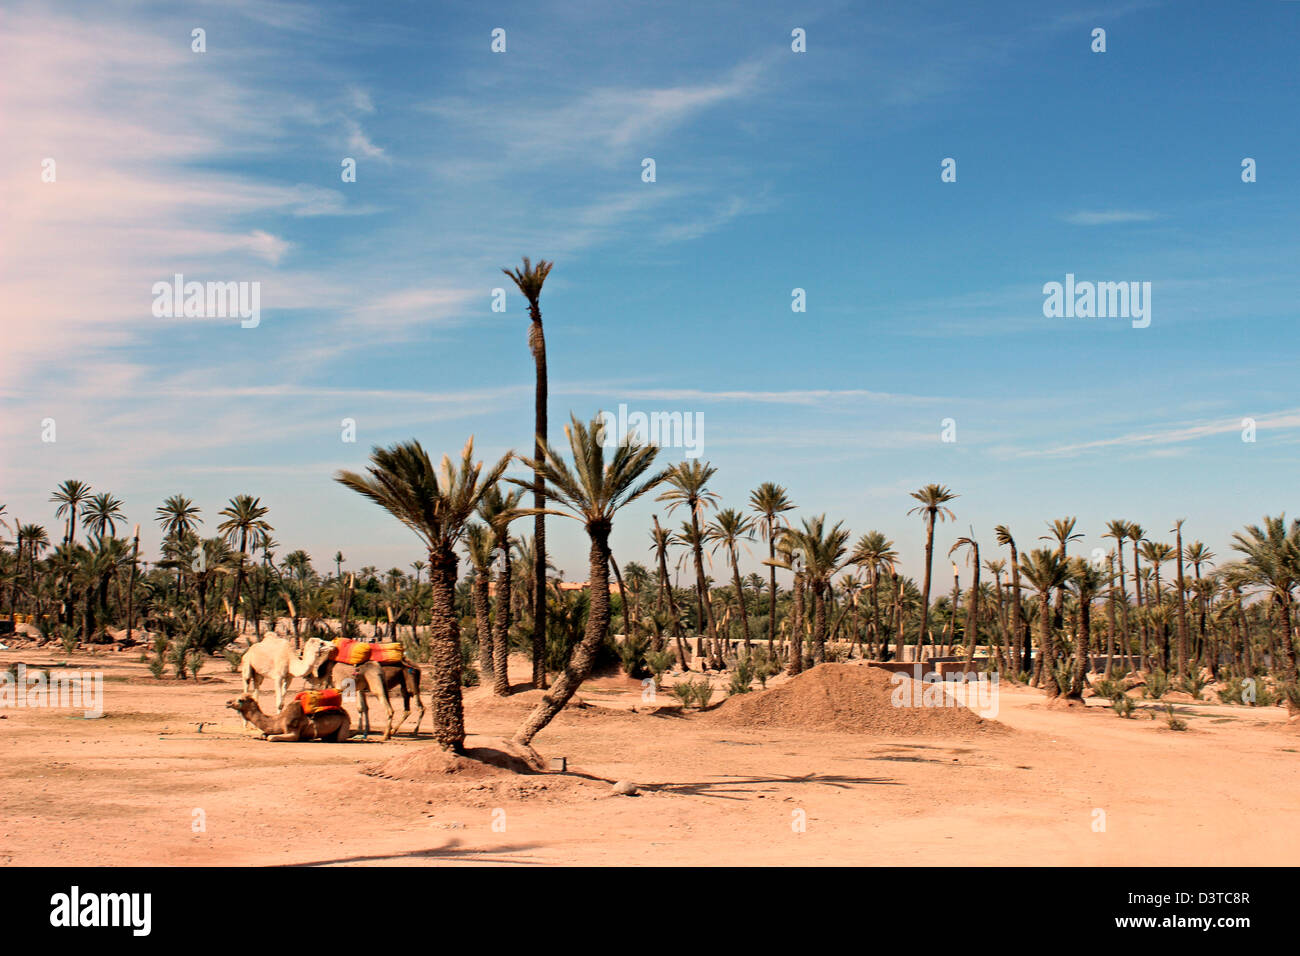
pixel 483 757
pixel 853 698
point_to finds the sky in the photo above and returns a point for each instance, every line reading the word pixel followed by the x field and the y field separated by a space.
pixel 774 171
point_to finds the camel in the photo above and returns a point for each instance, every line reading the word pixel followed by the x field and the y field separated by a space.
pixel 291 723
pixel 376 679
pixel 273 657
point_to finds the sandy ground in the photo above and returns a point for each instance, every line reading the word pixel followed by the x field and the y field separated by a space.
pixel 140 785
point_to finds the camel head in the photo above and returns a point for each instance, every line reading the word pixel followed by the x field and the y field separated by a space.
pixel 245 705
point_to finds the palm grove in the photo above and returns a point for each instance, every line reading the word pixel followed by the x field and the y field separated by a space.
pixel 1030 609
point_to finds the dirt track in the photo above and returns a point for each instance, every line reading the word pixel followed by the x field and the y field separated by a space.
pixel 125 788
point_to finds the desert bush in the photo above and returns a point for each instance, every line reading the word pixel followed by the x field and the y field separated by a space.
pixel 1193 684
pixel 698 692
pixel 659 662
pixel 765 665
pixel 195 662
pixel 157 664
pixel 1172 719
pixel 703 693
pixel 1157 685
pixel 1123 705
pixel 1107 687
pixel 742 678
pixel 684 690
pixel 68 638
pixel 469 676
pixel 233 659
pixel 632 654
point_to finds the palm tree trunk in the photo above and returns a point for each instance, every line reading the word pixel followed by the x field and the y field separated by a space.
pixel 1081 649
pixel 444 652
pixel 537 343
pixel 771 589
pixel 501 624
pixel 740 593
pixel 925 588
pixel 1046 653
pixel 584 655
pixel 973 612
pixel 483 626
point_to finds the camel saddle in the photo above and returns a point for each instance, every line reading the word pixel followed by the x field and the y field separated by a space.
pixel 320 701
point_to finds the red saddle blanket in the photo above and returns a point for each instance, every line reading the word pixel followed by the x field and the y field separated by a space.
pixel 320 701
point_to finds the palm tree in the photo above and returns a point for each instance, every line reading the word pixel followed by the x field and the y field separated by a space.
pixel 932 498
pixel 770 501
pixel 1087 581
pixel 1183 659
pixel 729 528
pixel 338 565
pixel 102 514
pixel 436 504
pixel 1198 554
pixel 498 509
pixel 1157 554
pixel 1016 627
pixel 1270 557
pixel 1062 532
pixel 70 496
pixel 666 601
pixel 592 491
pixel 973 609
pixel 478 548
pixel 1118 530
pixel 1137 534
pixel 1047 572
pixel 529 281
pixel 177 516
pixel 875 553
pixel 822 550
pixel 246 523
pixel 689 481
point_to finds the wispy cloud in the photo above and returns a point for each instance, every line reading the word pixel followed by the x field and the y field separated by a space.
pixel 1109 217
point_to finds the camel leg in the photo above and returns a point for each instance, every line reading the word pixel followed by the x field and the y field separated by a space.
pixel 291 735
pixel 382 691
pixel 365 712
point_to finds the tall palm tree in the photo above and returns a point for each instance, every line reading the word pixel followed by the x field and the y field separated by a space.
pixel 246 523
pixel 1136 535
pixel 1198 555
pixel 498 509
pixel 529 280
pixel 1118 530
pixel 102 513
pixel 770 501
pixel 822 550
pixel 1017 618
pixel 932 500
pixel 689 481
pixel 437 505
pixel 177 516
pixel 70 495
pixel 973 608
pixel 729 529
pixel 1047 572
pixel 1157 554
pixel 1062 532
pixel 591 491
pixel 666 601
pixel 1183 659
pixel 875 553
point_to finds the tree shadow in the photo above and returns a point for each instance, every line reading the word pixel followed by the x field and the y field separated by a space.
pixel 449 851
pixel 742 785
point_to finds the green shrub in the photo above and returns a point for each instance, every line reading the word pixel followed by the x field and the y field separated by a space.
pixel 1107 687
pixel 765 665
pixel 742 678
pixel 659 662
pixel 1123 705
pixel 233 659
pixel 469 676
pixel 1172 720
pixel 157 664
pixel 632 654
pixel 1193 684
pixel 1157 685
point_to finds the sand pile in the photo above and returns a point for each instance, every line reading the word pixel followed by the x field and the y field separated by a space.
pixel 483 757
pixel 853 698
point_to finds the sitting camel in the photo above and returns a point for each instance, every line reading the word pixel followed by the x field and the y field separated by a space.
pixel 273 657
pixel 376 679
pixel 293 723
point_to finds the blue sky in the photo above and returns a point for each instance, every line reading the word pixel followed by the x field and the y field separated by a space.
pixel 774 171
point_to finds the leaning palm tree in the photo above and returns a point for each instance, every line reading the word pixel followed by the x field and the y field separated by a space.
pixel 1004 537
pixel 246 523
pixel 1047 572
pixel 729 529
pixel 437 505
pixel 932 498
pixel 770 500
pixel 497 509
pixel 689 481
pixel 529 281
pixel 591 491
pixel 973 608
pixel 70 495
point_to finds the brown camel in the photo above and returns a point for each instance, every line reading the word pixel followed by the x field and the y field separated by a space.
pixel 292 723
pixel 377 679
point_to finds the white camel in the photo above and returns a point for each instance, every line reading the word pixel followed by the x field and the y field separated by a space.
pixel 273 657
